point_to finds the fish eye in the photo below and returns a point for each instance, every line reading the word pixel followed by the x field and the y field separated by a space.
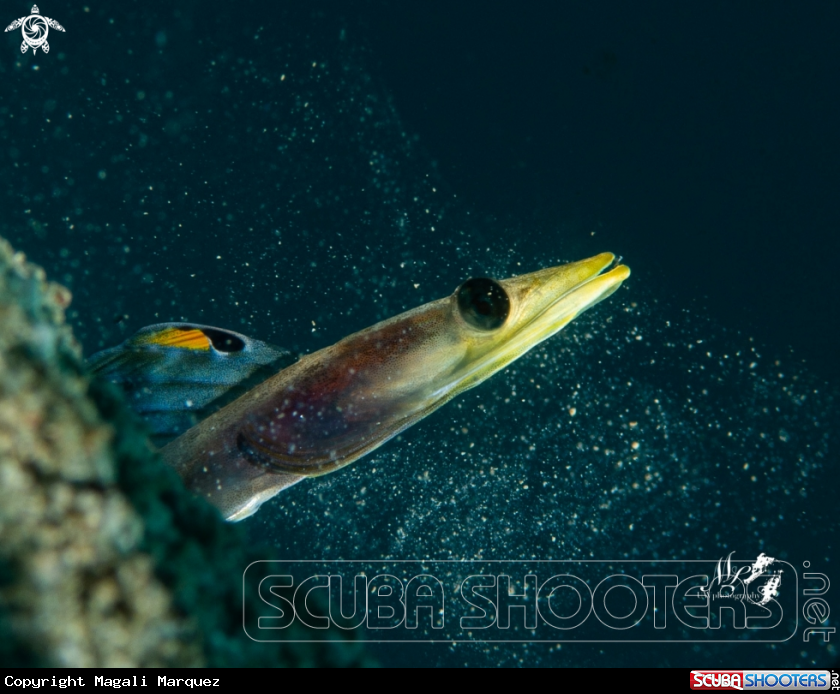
pixel 483 303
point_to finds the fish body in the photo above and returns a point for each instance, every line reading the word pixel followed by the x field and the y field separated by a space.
pixel 334 406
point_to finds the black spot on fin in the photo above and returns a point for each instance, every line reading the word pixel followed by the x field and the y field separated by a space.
pixel 224 341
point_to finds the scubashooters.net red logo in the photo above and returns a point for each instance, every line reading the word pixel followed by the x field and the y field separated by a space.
pixel 797 680
pixel 725 600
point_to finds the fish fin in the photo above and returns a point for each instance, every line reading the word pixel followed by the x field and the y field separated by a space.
pixel 182 337
pixel 176 374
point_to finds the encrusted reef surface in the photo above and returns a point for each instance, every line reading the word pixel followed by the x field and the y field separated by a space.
pixel 105 559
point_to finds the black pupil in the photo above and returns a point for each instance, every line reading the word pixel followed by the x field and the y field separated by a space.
pixel 483 303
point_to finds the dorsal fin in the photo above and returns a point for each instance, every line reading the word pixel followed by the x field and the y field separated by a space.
pixel 176 374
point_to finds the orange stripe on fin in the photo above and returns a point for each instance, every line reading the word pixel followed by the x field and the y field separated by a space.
pixel 182 338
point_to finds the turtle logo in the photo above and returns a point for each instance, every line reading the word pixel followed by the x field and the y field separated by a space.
pixel 35 28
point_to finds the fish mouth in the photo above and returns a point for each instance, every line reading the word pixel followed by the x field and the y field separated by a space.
pixel 550 299
pixel 543 303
